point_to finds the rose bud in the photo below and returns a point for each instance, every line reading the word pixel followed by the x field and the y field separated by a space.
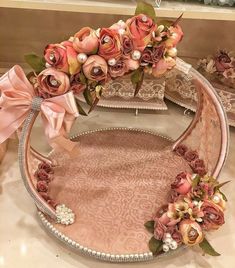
pixel 119 69
pixel 191 232
pixel 222 61
pixel 42 186
pixel 140 29
pixel 191 156
pixel 95 68
pixel 52 83
pixel 182 183
pixel 159 229
pixel 127 45
pixel 181 149
pixel 76 84
pixel 198 167
pixel 42 175
pixel 86 41
pixel 213 215
pixel 62 57
pixel 162 66
pixel 46 166
pixel 110 44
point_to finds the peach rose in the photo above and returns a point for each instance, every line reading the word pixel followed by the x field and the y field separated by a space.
pixel 110 44
pixel 131 64
pixel 213 215
pixel 52 83
pixel 191 232
pixel 95 68
pixel 62 57
pixel 140 29
pixel 175 35
pixel 162 66
pixel 86 41
pixel 182 183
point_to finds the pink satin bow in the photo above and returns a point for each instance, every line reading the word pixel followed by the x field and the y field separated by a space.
pixel 58 113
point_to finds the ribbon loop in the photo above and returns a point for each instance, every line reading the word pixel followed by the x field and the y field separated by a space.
pixel 18 98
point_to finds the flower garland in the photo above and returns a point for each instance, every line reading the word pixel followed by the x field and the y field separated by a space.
pixel 196 205
pixel 88 60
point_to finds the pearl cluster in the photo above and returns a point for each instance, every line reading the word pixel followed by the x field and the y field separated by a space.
pixel 169 243
pixel 64 215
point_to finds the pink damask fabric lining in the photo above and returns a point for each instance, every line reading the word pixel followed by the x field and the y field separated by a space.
pixel 114 185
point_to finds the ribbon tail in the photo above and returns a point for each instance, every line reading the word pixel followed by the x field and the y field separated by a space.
pixel 62 142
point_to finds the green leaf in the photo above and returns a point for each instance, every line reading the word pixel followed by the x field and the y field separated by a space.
pixel 195 181
pixel 94 104
pixel 155 245
pixel 223 195
pixel 149 225
pixel 80 109
pixel 207 248
pixel 217 187
pixel 145 8
pixel 87 96
pixel 82 78
pixel 36 62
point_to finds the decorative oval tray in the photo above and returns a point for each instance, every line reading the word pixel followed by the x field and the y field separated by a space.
pixel 116 183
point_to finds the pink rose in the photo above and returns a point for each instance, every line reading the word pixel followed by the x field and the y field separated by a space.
pixel 159 229
pixel 42 186
pixel 110 44
pixel 119 69
pixel 52 83
pixel 198 167
pixel 95 68
pixel 77 86
pixel 191 156
pixel 46 166
pixel 191 232
pixel 162 66
pixel 213 215
pixel 181 149
pixel 182 183
pixel 86 41
pixel 62 57
pixel 222 61
pixel 140 29
pixel 127 45
pixel 41 174
pixel 175 35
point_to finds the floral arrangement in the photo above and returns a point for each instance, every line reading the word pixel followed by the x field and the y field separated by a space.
pixel 219 67
pixel 196 206
pixel 90 58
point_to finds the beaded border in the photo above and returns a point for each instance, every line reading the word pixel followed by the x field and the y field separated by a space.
pixel 138 257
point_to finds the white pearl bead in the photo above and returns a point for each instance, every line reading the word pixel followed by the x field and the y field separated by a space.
pixel 82 57
pixel 165 248
pixel 168 241
pixel 172 52
pixel 144 18
pixel 52 56
pixel 121 31
pixel 136 55
pixel 216 199
pixel 160 28
pixel 195 202
pixel 173 245
pixel 167 235
pixel 54 82
pixel 106 39
pixel 112 62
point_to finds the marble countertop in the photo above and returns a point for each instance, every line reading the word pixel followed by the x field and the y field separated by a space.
pixel 24 242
